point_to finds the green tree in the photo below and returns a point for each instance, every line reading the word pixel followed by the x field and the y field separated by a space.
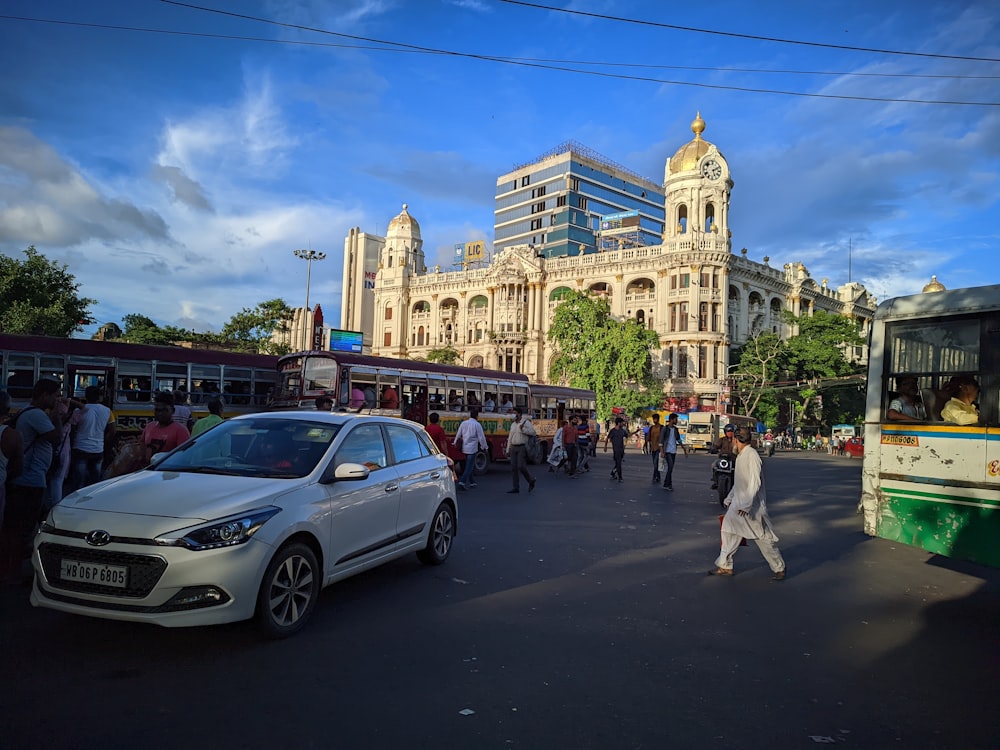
pixel 754 374
pixel 816 355
pixel 142 330
pixel 445 355
pixel 253 330
pixel 41 297
pixel 609 356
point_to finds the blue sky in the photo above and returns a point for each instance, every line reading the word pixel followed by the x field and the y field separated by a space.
pixel 176 173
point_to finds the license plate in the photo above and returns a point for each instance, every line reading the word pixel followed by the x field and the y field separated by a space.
pixel 105 575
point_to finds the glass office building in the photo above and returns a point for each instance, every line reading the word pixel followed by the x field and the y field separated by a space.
pixel 555 203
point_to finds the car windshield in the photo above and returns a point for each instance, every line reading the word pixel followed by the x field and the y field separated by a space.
pixel 259 447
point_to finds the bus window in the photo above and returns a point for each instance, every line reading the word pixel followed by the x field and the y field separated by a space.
pixel 365 382
pixel 236 385
pixel 51 368
pixel 456 394
pixel 205 383
pixel 171 376
pixel 437 394
pixel 388 391
pixel 263 387
pixel 413 400
pixel 521 398
pixel 135 381
pixel 473 393
pixel 490 389
pixel 505 400
pixel 20 375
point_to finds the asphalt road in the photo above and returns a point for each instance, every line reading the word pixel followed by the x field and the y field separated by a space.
pixel 578 616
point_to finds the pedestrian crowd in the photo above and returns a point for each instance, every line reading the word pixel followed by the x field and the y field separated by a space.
pixel 57 444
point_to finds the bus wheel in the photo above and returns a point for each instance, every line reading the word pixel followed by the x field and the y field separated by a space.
pixel 482 463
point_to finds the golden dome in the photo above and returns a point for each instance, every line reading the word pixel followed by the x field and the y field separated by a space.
pixel 688 155
pixel 934 285
pixel 404 223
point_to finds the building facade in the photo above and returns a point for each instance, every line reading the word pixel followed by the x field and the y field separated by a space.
pixel 700 297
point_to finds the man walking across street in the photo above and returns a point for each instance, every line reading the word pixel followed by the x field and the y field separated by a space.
pixel 617 437
pixel 653 445
pixel 746 516
pixel 670 440
pixel 521 430
pixel 469 439
pixel 569 445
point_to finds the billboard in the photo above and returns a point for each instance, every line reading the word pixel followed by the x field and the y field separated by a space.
pixel 620 220
pixel 345 341
pixel 475 250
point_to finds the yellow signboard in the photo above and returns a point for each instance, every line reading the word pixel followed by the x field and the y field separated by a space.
pixel 891 439
pixel 475 250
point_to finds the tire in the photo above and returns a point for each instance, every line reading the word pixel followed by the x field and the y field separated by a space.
pixel 725 485
pixel 482 463
pixel 288 591
pixel 440 537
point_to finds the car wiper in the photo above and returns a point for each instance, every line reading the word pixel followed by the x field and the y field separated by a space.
pixel 205 470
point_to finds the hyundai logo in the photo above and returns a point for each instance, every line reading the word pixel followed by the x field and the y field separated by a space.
pixel 98 538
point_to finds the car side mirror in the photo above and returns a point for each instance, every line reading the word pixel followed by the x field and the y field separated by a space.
pixel 346 472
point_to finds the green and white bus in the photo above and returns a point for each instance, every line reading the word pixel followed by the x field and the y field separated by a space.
pixel 927 482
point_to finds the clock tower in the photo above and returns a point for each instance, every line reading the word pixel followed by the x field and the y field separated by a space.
pixel 696 185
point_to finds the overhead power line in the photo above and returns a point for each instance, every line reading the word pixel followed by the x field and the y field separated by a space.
pixel 753 37
pixel 393 46
pixel 501 58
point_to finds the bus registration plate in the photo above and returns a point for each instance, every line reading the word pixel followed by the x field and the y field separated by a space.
pixel 105 575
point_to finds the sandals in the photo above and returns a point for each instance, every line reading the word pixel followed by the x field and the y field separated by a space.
pixel 721 572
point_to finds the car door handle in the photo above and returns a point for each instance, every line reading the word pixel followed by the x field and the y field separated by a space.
pixel 435 475
pixel 391 487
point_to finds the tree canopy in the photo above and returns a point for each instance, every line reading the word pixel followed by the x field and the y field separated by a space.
pixel 445 355
pixel 611 357
pixel 41 297
pixel 809 367
pixel 253 329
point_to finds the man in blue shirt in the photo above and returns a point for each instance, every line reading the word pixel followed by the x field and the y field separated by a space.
pixel 671 440
pixel 40 428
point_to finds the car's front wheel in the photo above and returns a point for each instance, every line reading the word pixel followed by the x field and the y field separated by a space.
pixel 440 537
pixel 289 590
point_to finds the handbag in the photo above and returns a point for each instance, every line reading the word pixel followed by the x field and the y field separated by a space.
pixel 661 464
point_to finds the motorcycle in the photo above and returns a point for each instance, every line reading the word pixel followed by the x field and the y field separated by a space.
pixel 768 447
pixel 724 471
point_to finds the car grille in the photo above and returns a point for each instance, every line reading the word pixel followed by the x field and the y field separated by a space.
pixel 143 570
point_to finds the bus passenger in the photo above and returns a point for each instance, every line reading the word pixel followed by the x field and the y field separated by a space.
pixel 961 409
pixel 390 399
pixel 907 406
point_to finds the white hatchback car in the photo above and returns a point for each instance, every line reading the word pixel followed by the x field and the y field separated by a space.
pixel 251 518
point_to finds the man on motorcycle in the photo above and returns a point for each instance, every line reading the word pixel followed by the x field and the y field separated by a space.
pixel 724 447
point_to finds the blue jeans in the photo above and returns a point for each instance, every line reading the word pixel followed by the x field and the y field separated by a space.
pixel 656 465
pixel 85 469
pixel 470 466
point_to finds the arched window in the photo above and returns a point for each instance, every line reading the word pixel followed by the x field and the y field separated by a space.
pixel 710 218
pixel 420 336
pixel 557 294
pixel 682 219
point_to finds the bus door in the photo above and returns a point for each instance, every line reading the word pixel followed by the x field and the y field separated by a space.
pixel 413 399
pixel 81 377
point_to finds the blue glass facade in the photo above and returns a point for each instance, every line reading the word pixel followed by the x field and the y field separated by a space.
pixel 556 203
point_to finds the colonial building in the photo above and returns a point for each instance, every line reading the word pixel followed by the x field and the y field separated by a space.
pixel 699 296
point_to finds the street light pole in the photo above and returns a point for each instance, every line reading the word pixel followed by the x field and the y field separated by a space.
pixel 308 256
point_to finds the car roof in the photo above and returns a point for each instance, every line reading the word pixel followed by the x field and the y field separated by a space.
pixel 332 417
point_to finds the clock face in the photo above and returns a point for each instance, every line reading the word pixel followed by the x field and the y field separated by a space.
pixel 711 169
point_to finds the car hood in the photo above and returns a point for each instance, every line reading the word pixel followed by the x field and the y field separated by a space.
pixel 148 503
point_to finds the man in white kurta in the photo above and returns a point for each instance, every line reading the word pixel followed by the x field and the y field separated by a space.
pixel 746 517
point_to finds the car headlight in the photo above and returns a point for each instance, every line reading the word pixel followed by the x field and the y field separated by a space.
pixel 224 533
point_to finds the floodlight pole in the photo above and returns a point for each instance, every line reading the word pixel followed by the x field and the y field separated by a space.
pixel 308 256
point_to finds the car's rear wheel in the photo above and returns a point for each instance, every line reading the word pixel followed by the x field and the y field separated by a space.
pixel 440 537
pixel 289 590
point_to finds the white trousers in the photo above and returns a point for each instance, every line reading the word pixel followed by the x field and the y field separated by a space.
pixel 731 543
